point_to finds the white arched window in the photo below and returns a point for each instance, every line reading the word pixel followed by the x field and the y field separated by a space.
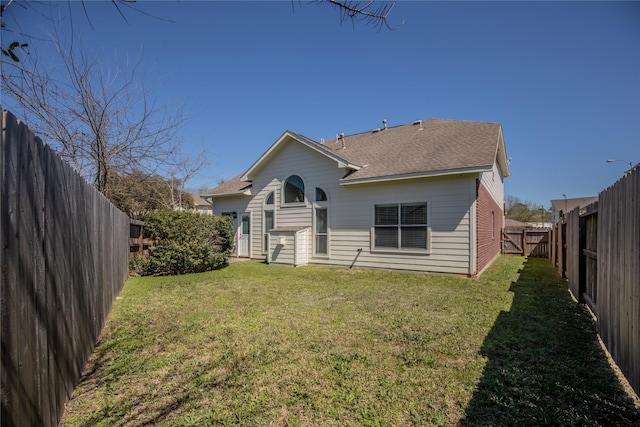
pixel 321 196
pixel 293 190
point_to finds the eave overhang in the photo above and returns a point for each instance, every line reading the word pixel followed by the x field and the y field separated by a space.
pixel 235 193
pixel 416 175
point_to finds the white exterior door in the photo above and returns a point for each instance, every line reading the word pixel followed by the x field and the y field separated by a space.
pixel 244 233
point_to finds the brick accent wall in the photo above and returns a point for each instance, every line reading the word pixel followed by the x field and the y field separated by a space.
pixel 490 220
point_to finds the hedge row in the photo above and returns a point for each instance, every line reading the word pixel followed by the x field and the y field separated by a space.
pixel 185 242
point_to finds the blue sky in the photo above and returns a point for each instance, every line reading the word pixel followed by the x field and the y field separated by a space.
pixel 563 78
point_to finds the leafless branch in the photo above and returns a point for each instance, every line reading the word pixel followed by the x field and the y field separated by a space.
pixel 372 12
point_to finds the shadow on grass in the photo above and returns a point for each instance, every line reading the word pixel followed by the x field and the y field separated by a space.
pixel 545 365
pixel 156 406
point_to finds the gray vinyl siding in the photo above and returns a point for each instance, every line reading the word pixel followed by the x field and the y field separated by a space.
pixel 494 183
pixel 291 159
pixel 450 202
pixel 231 204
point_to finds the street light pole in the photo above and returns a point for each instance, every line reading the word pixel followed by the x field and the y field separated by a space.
pixel 623 161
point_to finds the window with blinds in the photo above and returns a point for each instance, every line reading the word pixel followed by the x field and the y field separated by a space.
pixel 401 226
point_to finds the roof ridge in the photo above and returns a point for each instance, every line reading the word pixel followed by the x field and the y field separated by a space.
pixel 413 123
pixel 302 136
pixel 373 130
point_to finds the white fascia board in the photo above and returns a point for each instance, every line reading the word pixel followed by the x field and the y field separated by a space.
pixel 235 193
pixel 417 175
pixel 342 163
pixel 501 155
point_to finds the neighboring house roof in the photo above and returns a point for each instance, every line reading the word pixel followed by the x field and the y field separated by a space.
pixel 233 187
pixel 199 201
pixel 431 147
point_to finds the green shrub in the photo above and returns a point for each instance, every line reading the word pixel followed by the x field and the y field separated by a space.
pixel 185 242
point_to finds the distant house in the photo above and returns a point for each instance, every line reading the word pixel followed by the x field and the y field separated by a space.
pixel 201 205
pixel 561 207
pixel 425 196
pixel 512 223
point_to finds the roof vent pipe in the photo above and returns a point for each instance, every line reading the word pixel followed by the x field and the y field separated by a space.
pixel 342 138
pixel 384 123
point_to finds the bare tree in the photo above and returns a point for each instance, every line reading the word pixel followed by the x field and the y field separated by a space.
pixel 100 119
pixel 138 193
pixel 182 170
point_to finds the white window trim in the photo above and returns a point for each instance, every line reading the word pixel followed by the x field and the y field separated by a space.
pixel 493 225
pixel 271 207
pixel 265 232
pixel 321 205
pixel 239 230
pixel 304 203
pixel 408 251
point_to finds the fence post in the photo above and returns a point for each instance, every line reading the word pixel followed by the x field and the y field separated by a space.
pixel 140 242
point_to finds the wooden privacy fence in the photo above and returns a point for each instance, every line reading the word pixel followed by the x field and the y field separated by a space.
pixel 601 261
pixel 533 242
pixel 64 260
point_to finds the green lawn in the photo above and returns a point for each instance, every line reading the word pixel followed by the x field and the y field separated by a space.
pixel 259 345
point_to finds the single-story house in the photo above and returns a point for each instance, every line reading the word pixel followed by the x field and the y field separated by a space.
pixel 425 196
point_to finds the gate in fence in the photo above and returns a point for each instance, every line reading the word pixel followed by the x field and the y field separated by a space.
pixel 530 242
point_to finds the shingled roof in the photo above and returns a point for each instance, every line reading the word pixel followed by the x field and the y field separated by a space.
pixel 233 187
pixel 429 147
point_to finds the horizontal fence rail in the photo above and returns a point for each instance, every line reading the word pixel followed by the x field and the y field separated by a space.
pixel 64 260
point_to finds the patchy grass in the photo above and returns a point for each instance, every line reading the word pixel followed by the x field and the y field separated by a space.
pixel 257 345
